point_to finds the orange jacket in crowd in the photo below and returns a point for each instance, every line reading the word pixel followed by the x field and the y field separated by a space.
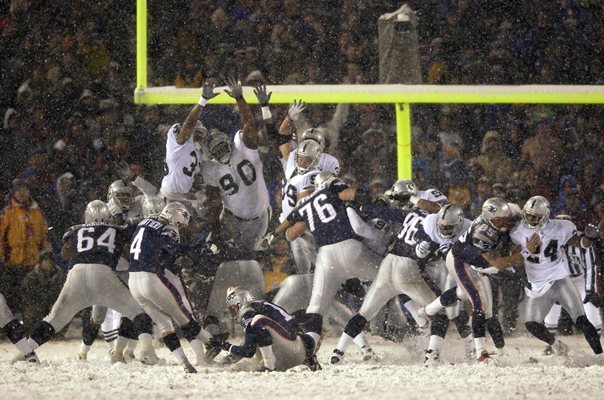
pixel 23 234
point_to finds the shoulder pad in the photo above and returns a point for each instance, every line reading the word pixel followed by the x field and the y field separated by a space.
pixel 71 231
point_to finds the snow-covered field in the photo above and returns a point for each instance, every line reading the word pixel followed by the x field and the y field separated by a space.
pixel 522 372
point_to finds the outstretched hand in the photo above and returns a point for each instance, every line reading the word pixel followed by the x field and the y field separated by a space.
pixel 207 91
pixel 296 109
pixel 262 96
pixel 235 89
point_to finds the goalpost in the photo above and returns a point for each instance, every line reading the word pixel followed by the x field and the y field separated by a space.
pixel 401 96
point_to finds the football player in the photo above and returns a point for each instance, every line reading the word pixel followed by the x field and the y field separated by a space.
pixel 269 329
pixel 542 241
pixel 94 248
pixel 582 269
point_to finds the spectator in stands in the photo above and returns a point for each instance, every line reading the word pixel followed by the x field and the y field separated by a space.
pixel 496 165
pixel 23 237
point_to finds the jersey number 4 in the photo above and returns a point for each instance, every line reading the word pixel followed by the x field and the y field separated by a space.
pixel 86 243
pixel 323 210
pixel 551 252
pixel 246 171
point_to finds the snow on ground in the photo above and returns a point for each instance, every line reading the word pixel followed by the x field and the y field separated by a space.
pixel 523 372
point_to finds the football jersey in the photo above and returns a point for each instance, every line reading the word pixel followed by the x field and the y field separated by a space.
pixel 480 238
pixel 325 215
pixel 97 243
pixel 407 236
pixel 434 195
pixel 548 262
pixel 293 188
pixel 376 232
pixel 327 162
pixel 241 181
pixel 182 161
pixel 154 247
pixel 430 228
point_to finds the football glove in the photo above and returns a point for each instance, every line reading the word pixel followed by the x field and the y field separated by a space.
pixel 296 109
pixel 235 89
pixel 591 231
pixel 262 96
pixel 220 343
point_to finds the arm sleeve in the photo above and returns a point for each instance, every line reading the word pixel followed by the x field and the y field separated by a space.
pixel 248 348
pixel 589 261
pixel 359 226
pixel 473 256
pixel 145 186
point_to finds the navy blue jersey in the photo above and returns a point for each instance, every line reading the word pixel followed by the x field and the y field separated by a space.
pixel 271 315
pixel 154 247
pixel 409 235
pixel 97 243
pixel 325 215
pixel 479 239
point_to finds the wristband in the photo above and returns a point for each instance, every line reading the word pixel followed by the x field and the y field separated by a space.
pixel 266 113
pixel 581 243
pixel 287 236
pixel 202 101
pixel 525 253
pixel 414 200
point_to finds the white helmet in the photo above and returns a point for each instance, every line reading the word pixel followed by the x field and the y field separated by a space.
pixel 218 146
pixel 152 206
pixel 308 155
pixel 315 134
pixel 449 221
pixel 176 214
pixel 497 213
pixel 199 132
pixel 401 190
pixel 121 193
pixel 97 211
pixel 535 212
pixel 237 298
pixel 323 179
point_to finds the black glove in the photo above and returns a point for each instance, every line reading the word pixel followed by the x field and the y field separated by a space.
pixel 220 343
pixel 593 298
pixel 591 231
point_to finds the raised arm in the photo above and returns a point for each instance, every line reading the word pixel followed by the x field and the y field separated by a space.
pixel 250 132
pixel 287 127
pixel 185 132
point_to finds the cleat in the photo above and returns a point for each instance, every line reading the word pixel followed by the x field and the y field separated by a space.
pixel 149 357
pixel 431 358
pixel 189 369
pixel 116 357
pixel 209 355
pixel 230 359
pixel 485 358
pixel 313 363
pixel 548 350
pixel 32 357
pixel 368 353
pixel 128 355
pixel 82 356
pixel 337 356
pixel 560 349
pixel 265 369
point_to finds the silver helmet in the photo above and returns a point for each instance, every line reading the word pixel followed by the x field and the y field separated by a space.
pixel 315 134
pixel 152 206
pixel 218 146
pixel 199 132
pixel 121 193
pixel 308 155
pixel 237 298
pixel 176 214
pixel 449 221
pixel 401 190
pixel 323 179
pixel 97 211
pixel 497 213
pixel 535 212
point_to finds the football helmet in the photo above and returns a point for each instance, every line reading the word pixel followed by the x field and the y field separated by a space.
pixel 97 211
pixel 402 190
pixel 535 212
pixel 121 193
pixel 218 146
pixel 497 213
pixel 315 134
pixel 449 221
pixel 236 299
pixel 152 206
pixel 199 132
pixel 323 179
pixel 308 155
pixel 176 214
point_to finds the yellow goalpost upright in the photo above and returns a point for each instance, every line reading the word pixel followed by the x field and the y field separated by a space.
pixel 401 96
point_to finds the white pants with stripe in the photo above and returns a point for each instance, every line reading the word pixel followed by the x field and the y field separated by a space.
pixel 87 285
pixel 592 312
pixel 162 297
pixel 471 285
pixel 288 349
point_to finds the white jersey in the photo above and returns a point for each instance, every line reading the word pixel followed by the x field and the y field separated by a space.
pixel 241 181
pixel 434 195
pixel 580 261
pixel 327 162
pixel 548 264
pixel 182 161
pixel 376 233
pixel 430 227
pixel 292 188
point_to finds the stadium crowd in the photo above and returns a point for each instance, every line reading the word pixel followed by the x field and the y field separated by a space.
pixel 69 123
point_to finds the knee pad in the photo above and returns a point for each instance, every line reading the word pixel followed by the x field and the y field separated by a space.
pixel 14 331
pixel 478 324
pixel 314 323
pixel 439 325
pixel 127 329
pixel 143 324
pixel 355 325
pixel 42 333
pixel 264 338
pixel 191 330
pixel 171 341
